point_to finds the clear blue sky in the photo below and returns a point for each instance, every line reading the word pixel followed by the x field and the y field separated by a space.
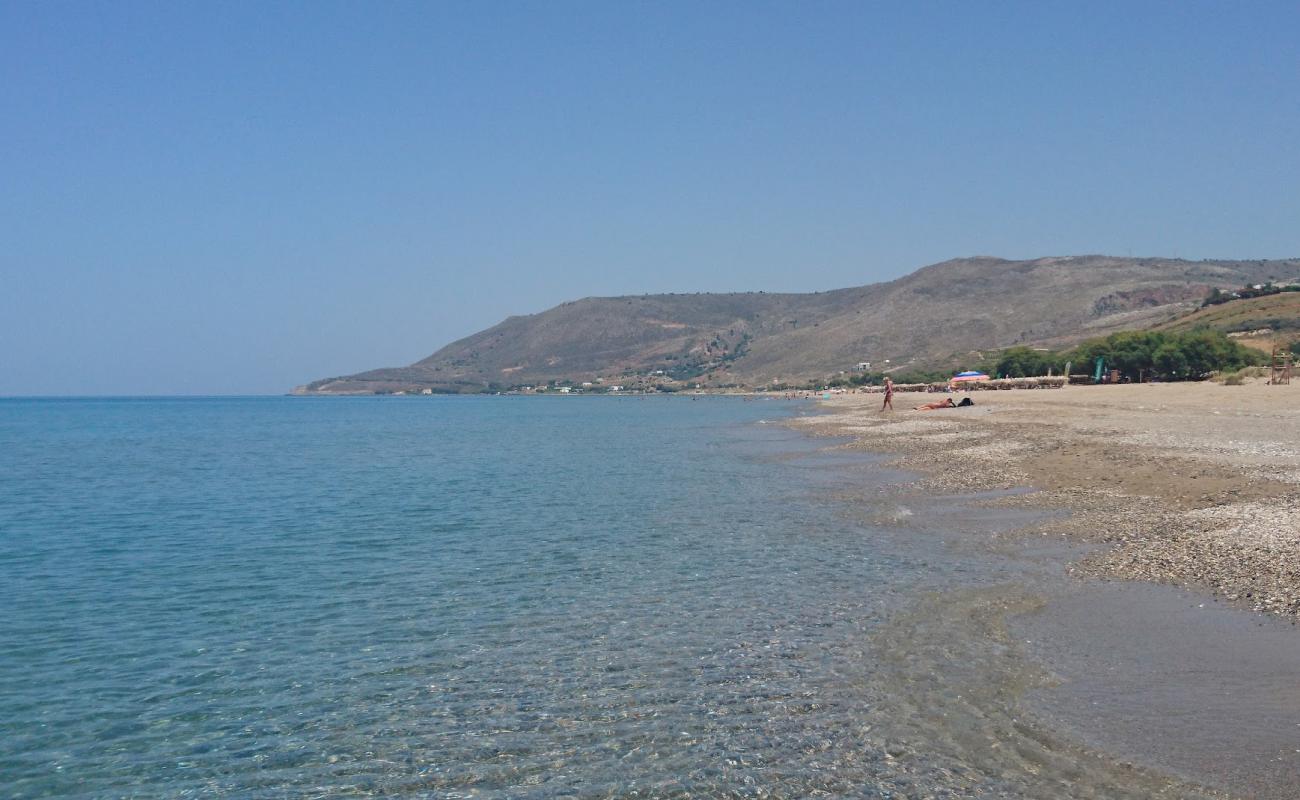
pixel 240 197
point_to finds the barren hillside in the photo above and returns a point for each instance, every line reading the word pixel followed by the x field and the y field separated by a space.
pixel 938 314
pixel 1259 322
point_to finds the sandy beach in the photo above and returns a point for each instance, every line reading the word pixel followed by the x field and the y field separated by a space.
pixel 1181 524
pixel 1191 484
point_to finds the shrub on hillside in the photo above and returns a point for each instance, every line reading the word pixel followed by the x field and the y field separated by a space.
pixel 1219 297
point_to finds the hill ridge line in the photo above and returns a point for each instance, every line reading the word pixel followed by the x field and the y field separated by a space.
pixel 941 313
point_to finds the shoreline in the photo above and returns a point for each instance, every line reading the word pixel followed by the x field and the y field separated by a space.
pixel 1169 513
pixel 1191 485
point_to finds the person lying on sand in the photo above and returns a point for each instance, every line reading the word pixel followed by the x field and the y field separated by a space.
pixel 944 403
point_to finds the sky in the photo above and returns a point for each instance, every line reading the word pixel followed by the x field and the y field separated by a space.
pixel 236 198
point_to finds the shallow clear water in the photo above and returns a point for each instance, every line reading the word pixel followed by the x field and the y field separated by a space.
pixel 256 595
pixel 453 597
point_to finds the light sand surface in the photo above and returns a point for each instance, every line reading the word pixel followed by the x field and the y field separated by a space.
pixel 1194 484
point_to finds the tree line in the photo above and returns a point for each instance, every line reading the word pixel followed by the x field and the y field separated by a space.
pixel 1219 297
pixel 1137 355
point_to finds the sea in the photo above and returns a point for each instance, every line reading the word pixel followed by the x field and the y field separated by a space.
pixel 454 597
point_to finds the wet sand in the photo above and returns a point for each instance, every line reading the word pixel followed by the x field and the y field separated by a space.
pixel 1194 486
pixel 1163 676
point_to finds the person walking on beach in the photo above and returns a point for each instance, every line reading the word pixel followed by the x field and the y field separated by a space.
pixel 889 395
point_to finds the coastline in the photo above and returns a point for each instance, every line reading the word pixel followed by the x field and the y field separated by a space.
pixel 821 627
pixel 1153 525
pixel 1192 485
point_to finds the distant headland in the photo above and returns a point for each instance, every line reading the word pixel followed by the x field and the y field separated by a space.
pixel 937 317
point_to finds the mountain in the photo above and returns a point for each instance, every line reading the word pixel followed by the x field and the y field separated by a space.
pixel 940 315
pixel 1259 322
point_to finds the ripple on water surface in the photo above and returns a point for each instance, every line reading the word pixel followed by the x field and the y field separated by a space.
pixel 455 597
pixel 445 595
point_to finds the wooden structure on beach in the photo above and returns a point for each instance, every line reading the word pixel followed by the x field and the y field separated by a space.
pixel 1281 365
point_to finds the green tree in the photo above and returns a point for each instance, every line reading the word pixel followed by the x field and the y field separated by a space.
pixel 1169 356
pixel 1170 360
pixel 1022 362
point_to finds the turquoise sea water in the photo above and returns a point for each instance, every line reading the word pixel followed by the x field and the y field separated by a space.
pixel 464 597
pixel 277 597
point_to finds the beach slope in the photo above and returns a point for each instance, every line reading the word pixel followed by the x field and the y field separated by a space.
pixel 1192 484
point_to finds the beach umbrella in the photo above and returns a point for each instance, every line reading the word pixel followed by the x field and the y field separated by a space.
pixel 969 377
